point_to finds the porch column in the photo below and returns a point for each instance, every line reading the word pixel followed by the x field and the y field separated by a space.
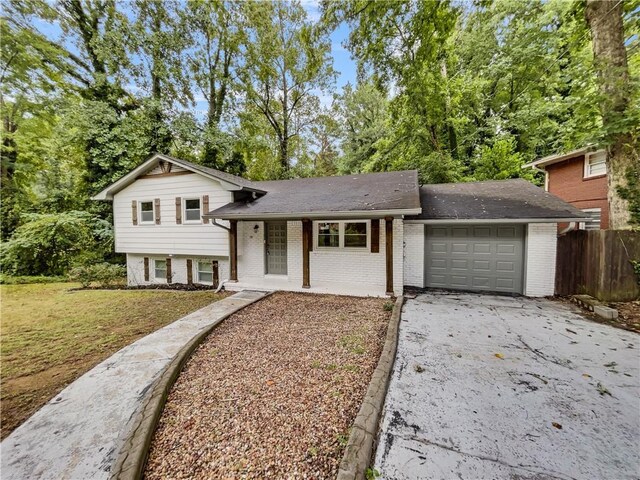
pixel 388 243
pixel 306 243
pixel 233 250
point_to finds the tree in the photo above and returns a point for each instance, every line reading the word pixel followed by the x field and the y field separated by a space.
pixel 215 34
pixel 605 21
pixel 286 64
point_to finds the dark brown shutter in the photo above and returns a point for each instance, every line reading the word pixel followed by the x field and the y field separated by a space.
pixel 178 210
pixel 157 210
pixel 169 273
pixel 375 235
pixel 205 207
pixel 216 275
pixel 189 271
pixel 134 212
pixel 146 269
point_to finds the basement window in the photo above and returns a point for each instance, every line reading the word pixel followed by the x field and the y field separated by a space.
pixel 205 272
pixel 160 269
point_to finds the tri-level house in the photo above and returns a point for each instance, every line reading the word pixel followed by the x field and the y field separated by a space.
pixel 365 234
pixel 579 177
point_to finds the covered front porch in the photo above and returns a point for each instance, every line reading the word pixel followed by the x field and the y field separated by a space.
pixel 347 256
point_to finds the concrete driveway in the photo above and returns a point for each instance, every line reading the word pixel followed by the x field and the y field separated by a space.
pixel 498 387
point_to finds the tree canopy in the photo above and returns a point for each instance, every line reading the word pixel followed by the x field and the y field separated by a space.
pixel 459 91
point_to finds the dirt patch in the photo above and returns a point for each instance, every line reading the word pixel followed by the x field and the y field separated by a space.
pixel 272 392
pixel 628 314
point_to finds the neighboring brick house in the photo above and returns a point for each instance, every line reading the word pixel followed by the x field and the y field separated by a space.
pixel 579 178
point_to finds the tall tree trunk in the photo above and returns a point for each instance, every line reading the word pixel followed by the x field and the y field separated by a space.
pixel 604 18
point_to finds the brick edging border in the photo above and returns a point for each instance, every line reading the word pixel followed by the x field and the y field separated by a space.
pixel 360 446
pixel 130 461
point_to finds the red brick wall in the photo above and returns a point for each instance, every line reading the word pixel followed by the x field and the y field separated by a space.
pixel 566 180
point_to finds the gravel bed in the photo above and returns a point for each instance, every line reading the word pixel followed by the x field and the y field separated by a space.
pixel 272 392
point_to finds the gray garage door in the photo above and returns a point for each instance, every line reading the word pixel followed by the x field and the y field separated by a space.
pixel 475 257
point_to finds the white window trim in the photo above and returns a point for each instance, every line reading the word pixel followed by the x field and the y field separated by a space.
pixel 340 247
pixel 197 262
pixel 582 225
pixel 184 211
pixel 155 278
pixel 587 157
pixel 153 211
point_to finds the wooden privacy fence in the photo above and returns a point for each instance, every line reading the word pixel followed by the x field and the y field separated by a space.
pixel 598 263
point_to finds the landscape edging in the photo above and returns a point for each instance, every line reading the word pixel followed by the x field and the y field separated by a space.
pixel 359 450
pixel 129 465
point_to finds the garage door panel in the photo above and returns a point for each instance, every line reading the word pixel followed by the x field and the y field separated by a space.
pixel 488 258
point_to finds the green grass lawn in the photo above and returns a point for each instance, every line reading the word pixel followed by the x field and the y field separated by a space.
pixel 51 334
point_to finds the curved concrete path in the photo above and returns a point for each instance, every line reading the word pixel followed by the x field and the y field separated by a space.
pixel 78 434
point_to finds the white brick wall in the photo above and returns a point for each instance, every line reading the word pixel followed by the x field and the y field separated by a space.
pixel 135 268
pixel 540 261
pixel 414 254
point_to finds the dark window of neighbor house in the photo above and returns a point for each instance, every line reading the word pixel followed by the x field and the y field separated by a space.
pixel 192 210
pixel 146 212
pixel 205 272
pixel 355 234
pixel 328 234
pixel 160 269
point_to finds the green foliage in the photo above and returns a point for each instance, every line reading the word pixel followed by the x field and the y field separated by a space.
pixel 47 244
pixel 388 306
pixel 28 280
pixel 636 269
pixel 631 193
pixel 372 474
pixel 500 161
pixel 105 274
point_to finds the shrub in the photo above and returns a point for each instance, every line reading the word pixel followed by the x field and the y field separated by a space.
pixel 48 244
pixel 24 280
pixel 105 274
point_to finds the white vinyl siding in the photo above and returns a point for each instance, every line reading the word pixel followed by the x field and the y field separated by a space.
pixel 595 164
pixel 200 239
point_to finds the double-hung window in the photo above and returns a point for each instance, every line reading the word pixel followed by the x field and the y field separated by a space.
pixel 192 210
pixel 146 212
pixel 160 269
pixel 205 272
pixel 595 164
pixel 344 234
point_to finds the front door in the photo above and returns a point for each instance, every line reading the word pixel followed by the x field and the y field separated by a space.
pixel 276 248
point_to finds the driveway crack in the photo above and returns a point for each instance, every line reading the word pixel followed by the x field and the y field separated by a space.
pixel 527 468
pixel 539 354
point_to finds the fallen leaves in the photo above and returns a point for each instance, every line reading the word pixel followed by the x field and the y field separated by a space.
pixel 278 397
pixel 499 355
pixel 557 425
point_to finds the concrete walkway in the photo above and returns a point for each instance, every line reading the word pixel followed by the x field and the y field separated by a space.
pixel 504 388
pixel 78 434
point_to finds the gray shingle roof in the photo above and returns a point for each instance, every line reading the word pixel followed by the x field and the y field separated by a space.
pixel 349 193
pixel 492 199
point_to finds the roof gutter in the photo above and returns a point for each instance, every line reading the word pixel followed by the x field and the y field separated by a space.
pixel 315 215
pixel 476 221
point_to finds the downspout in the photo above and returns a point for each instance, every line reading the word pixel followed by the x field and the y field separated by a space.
pixel 216 224
pixel 568 228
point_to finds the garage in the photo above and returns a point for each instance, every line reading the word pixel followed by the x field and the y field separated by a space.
pixel 475 257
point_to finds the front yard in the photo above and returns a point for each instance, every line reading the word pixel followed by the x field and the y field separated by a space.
pixel 273 391
pixel 50 335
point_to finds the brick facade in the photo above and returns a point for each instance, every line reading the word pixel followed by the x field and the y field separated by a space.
pixel 566 180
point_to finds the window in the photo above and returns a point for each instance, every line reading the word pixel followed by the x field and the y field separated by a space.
pixel 160 269
pixel 592 223
pixel 192 210
pixel 349 234
pixel 329 234
pixel 205 272
pixel 146 212
pixel 355 235
pixel 595 164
